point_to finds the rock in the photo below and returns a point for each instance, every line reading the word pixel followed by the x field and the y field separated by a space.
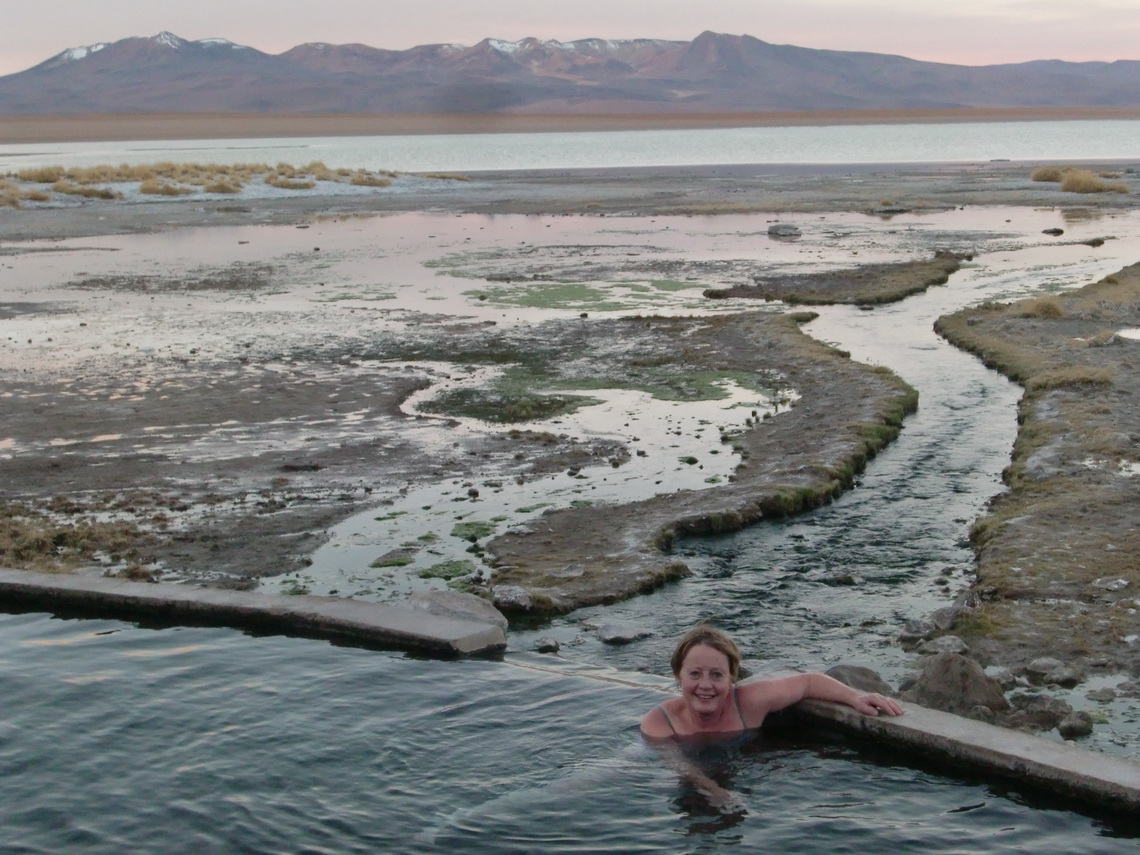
pixel 914 631
pixel 1075 725
pixel 1128 689
pixel 784 230
pixel 546 644
pixel 512 598
pixel 858 677
pixel 1109 584
pixel 455 604
pixel 1047 671
pixel 953 683
pixel 616 633
pixel 1054 232
pixel 981 713
pixel 943 618
pixel 1101 696
pixel 1041 712
pixel 1065 676
pixel 1038 668
pixel 944 644
pixel 1003 676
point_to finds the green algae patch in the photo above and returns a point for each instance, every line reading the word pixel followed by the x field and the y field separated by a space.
pixel 1056 568
pixel 395 558
pixel 473 531
pixel 576 296
pixel 448 570
pixel 500 407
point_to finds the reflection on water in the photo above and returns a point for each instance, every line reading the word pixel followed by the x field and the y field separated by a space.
pixel 209 741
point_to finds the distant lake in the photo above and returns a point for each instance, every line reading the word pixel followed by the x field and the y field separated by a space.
pixel 1088 140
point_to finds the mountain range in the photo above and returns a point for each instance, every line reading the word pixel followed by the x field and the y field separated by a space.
pixel 712 73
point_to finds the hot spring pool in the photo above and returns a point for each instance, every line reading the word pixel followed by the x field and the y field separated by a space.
pixel 122 738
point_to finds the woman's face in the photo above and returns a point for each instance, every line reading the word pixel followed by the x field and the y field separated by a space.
pixel 705 679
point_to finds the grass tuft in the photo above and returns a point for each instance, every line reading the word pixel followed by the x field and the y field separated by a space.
pixel 86 191
pixel 1084 181
pixel 1041 307
pixel 158 187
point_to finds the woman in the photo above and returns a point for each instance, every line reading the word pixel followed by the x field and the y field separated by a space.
pixel 706 664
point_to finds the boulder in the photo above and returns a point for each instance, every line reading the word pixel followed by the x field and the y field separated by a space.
pixel 455 604
pixel 512 598
pixel 943 618
pixel 1075 725
pixel 546 644
pixel 1040 712
pixel 1047 671
pixel 858 677
pixel 1003 676
pixel 953 683
pixel 914 631
pixel 1102 696
pixel 616 633
pixel 943 644
pixel 784 230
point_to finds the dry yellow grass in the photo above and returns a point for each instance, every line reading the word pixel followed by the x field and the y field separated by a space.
pixel 1085 181
pixel 363 179
pixel 446 176
pixel 86 191
pixel 1041 307
pixel 1077 375
pixel 287 183
pixel 1048 173
pixel 168 178
pixel 156 187
pixel 41 175
pixel 223 185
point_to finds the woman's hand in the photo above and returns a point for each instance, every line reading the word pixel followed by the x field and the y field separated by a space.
pixel 873 704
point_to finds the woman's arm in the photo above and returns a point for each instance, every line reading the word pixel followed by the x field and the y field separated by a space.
pixel 720 798
pixel 764 696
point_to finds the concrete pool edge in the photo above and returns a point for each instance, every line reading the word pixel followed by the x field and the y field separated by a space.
pixel 328 617
pixel 1102 781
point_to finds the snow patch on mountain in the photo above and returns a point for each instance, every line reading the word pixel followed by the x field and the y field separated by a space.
pixel 77 53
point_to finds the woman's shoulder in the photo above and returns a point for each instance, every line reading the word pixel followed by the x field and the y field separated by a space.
pixel 767 694
pixel 657 724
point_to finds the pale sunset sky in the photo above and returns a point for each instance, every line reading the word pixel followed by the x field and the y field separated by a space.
pixel 965 32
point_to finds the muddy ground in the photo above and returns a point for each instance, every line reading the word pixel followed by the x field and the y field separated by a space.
pixel 116 440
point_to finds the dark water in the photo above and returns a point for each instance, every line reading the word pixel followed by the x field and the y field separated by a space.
pixel 117 738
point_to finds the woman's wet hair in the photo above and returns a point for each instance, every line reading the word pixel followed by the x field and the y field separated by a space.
pixel 711 636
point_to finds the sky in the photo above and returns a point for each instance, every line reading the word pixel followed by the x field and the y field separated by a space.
pixel 964 32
